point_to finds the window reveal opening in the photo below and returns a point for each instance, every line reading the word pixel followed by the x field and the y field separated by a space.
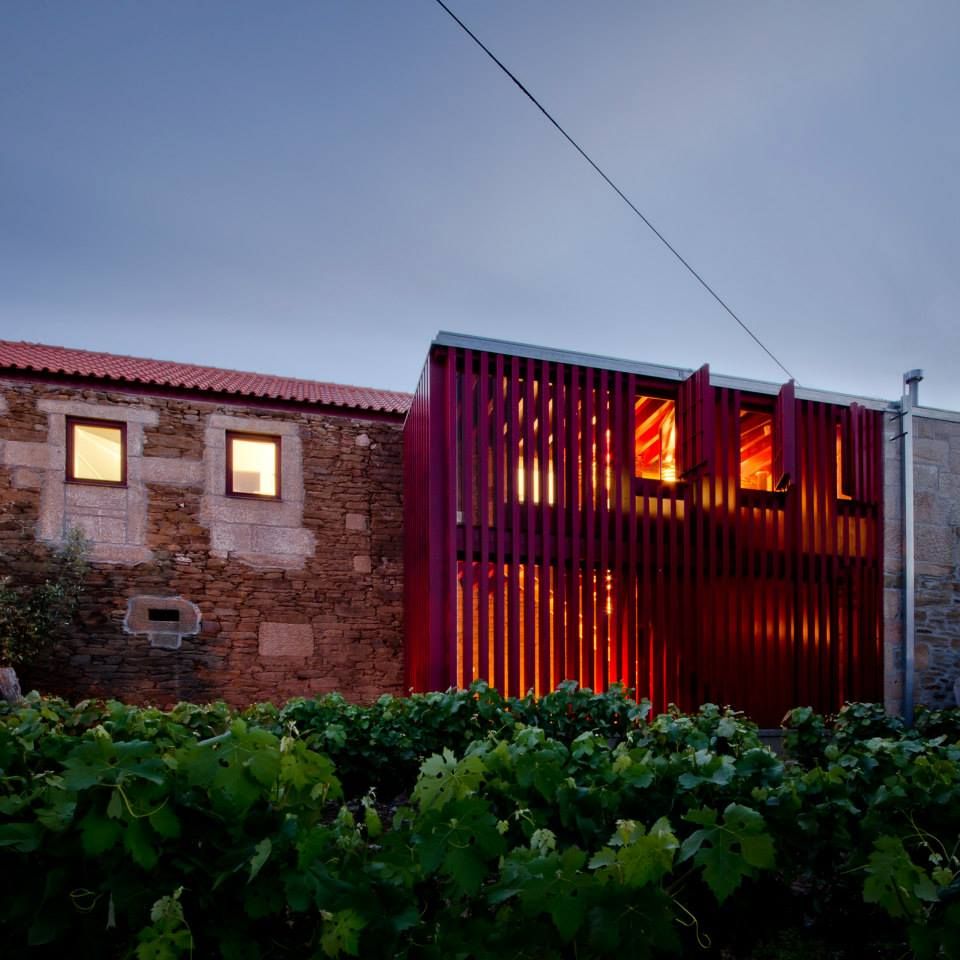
pixel 756 450
pixel 253 465
pixel 164 616
pixel 655 439
pixel 96 452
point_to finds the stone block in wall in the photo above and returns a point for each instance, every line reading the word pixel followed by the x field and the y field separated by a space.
pixel 285 639
pixel 926 476
pixel 282 540
pixel 269 513
pixel 356 521
pixel 183 473
pixel 930 451
pixel 21 453
pixel 27 478
pixel 231 538
pixel 935 544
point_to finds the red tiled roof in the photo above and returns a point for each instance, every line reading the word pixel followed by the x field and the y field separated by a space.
pixel 40 358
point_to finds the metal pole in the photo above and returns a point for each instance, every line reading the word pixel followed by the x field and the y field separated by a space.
pixel 911 382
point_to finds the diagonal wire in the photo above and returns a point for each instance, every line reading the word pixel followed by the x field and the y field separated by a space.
pixel 706 286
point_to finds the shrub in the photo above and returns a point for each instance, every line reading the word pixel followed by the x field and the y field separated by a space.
pixel 33 617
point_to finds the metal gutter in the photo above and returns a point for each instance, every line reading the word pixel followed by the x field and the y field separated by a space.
pixel 653 370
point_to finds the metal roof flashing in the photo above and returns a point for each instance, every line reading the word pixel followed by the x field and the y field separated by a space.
pixel 446 338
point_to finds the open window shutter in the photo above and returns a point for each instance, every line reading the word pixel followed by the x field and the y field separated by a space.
pixel 785 437
pixel 696 423
pixel 851 451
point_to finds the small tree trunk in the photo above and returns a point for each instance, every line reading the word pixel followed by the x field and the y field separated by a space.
pixel 9 685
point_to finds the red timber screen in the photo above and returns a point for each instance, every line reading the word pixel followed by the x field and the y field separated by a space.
pixel 692 542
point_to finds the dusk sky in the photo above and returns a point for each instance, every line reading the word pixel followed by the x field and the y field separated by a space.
pixel 315 188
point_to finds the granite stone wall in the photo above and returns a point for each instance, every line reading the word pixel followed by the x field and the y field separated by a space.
pixel 937 519
pixel 296 597
pixel 936 476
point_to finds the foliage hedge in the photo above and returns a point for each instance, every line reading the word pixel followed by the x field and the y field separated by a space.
pixel 463 824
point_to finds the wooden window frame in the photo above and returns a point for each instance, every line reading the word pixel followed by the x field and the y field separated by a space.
pixel 120 425
pixel 273 438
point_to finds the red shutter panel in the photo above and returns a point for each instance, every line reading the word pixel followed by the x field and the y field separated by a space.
pixel 696 411
pixel 851 451
pixel 785 437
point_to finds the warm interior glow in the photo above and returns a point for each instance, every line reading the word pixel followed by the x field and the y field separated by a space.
pixel 97 453
pixel 756 450
pixel 522 480
pixel 594 590
pixel 840 491
pixel 655 439
pixel 254 466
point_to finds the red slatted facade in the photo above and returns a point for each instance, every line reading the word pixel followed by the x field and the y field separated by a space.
pixel 535 554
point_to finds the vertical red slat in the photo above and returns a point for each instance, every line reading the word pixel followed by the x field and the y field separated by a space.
pixel 633 533
pixel 467 478
pixel 445 671
pixel 560 448
pixel 589 534
pixel 513 568
pixel 646 618
pixel 743 679
pixel 530 522
pixel 696 422
pixel 500 533
pixel 658 654
pixel 877 579
pixel 824 585
pixel 418 524
pixel 672 572
pixel 483 462
pixel 574 495
pixel 722 635
pixel 620 476
pixel 546 544
pixel 688 600
pixel 789 626
pixel 785 437
pixel 809 565
pixel 602 649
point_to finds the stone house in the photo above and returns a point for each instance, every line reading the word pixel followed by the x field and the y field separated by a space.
pixel 245 530
pixel 528 515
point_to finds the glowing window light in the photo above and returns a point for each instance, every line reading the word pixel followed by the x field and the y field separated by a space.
pixel 97 452
pixel 756 450
pixel 253 465
pixel 655 439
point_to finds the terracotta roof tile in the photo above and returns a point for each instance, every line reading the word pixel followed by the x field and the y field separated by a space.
pixel 41 358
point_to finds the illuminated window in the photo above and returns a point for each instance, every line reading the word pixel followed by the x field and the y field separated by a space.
pixel 96 451
pixel 253 465
pixel 655 439
pixel 756 450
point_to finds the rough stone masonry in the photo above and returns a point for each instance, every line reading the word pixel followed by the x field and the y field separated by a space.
pixel 300 596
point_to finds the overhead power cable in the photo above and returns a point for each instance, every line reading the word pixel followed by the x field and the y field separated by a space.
pixel 576 146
